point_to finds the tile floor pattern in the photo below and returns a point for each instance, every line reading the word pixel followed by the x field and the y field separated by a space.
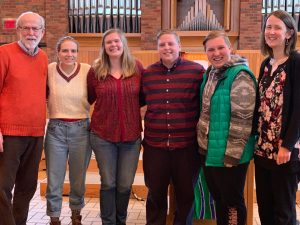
pixel 90 213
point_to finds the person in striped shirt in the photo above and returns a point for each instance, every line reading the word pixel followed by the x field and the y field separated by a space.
pixel 170 89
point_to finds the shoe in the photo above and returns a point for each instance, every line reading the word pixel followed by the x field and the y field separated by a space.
pixel 55 223
pixel 76 220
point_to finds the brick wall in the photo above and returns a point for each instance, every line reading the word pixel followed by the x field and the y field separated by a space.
pixel 12 9
pixel 56 24
pixel 151 23
pixel 54 12
pixel 250 24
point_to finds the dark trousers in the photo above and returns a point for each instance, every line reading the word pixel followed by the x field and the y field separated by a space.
pixel 161 167
pixel 276 196
pixel 19 165
pixel 226 184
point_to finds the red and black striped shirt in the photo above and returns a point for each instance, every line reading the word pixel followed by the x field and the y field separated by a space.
pixel 172 99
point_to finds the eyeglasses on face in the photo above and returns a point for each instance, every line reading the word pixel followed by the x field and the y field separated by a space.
pixel 27 29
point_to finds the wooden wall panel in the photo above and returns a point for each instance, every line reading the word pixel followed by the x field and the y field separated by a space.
pixel 89 54
pixel 146 57
pixel 254 58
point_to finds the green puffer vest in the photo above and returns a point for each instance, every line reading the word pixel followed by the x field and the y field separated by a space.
pixel 220 113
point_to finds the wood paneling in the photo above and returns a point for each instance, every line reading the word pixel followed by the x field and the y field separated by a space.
pixel 146 57
pixel 89 54
pixel 254 58
pixel 191 41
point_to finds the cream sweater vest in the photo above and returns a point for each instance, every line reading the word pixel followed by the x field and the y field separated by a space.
pixel 68 99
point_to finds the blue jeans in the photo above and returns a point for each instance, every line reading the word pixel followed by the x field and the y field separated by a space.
pixel 66 142
pixel 117 163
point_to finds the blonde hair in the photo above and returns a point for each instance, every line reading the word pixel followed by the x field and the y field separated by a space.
pixel 172 32
pixel 102 64
pixel 215 34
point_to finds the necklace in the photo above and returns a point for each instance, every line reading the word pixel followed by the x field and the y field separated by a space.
pixel 278 61
pixel 275 63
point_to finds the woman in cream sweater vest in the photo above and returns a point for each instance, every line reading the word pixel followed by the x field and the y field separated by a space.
pixel 67 137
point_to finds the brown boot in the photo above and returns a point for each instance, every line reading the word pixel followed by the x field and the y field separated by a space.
pixel 76 219
pixel 54 221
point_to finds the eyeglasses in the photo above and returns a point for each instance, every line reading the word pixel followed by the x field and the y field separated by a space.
pixel 27 29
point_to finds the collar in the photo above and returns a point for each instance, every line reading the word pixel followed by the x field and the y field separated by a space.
pixel 22 46
pixel 72 75
pixel 176 63
pixel 218 73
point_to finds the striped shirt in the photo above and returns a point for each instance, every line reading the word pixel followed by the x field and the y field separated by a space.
pixel 172 99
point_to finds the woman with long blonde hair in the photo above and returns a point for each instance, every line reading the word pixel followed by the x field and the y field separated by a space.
pixel 114 85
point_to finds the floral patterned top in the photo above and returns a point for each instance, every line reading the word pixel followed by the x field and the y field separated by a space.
pixel 270 111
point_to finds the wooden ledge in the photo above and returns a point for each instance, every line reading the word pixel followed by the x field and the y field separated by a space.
pixel 99 35
pixel 202 33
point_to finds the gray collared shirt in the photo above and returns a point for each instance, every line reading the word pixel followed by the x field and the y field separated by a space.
pixel 35 52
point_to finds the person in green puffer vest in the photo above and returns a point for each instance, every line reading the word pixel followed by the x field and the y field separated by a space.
pixel 224 129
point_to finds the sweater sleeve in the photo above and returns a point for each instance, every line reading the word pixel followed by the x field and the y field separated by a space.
pixel 292 134
pixel 139 66
pixel 242 95
pixel 3 70
pixel 91 79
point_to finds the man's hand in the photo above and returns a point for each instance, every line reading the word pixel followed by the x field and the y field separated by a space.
pixel 1 142
pixel 228 165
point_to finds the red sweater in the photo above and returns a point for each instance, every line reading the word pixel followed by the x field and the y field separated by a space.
pixel 22 91
pixel 116 116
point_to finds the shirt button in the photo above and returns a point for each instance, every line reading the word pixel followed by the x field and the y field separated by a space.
pixel 168 113
pixel 168 125
pixel 167 90
pixel 168 80
pixel 167 101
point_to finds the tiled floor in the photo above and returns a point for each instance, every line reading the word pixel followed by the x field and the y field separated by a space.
pixel 90 213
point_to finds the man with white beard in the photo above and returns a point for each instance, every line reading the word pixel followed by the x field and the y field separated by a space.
pixel 23 74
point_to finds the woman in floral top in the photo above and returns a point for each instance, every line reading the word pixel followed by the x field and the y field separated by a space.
pixel 278 121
